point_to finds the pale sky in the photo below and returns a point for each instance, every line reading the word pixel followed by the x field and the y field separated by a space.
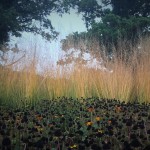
pixel 51 51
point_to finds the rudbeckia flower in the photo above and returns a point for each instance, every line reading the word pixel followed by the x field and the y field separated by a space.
pixel 118 109
pixel 89 123
pixel 73 146
pixel 109 121
pixel 90 109
pixel 39 118
pixel 98 118
pixel 39 128
pixel 100 131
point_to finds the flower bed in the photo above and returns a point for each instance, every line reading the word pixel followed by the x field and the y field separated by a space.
pixel 82 124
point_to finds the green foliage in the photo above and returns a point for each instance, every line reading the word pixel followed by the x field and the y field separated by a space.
pixel 113 28
pixel 27 15
pixel 88 8
pixel 127 8
pixel 119 20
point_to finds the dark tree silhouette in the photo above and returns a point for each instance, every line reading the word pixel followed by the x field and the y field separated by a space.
pixel 17 16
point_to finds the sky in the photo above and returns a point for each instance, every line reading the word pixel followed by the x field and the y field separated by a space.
pixel 50 51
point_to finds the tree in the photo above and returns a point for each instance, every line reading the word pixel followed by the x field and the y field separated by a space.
pixel 90 9
pixel 127 8
pixel 119 20
pixel 114 28
pixel 17 16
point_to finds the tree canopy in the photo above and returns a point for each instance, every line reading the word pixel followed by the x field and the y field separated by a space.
pixel 127 8
pixel 117 20
pixel 17 16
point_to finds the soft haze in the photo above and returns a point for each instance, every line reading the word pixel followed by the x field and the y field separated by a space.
pixel 50 51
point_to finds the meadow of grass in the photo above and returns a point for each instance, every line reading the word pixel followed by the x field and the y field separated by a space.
pixel 77 107
pixel 128 81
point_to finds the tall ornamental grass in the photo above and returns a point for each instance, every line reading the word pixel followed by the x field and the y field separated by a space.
pixel 128 81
